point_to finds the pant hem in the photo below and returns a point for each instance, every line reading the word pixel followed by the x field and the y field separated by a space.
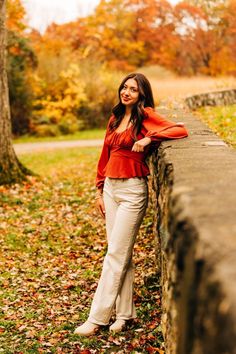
pixel 125 318
pixel 100 323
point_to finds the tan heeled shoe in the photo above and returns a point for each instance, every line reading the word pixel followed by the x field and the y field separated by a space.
pixel 86 329
pixel 117 326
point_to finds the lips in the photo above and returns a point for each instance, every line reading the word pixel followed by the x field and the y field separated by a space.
pixel 126 99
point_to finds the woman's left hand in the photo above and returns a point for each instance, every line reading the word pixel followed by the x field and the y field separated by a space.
pixel 140 144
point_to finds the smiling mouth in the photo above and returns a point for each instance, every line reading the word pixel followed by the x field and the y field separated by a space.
pixel 125 98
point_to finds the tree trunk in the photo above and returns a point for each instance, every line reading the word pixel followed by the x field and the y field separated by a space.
pixel 11 170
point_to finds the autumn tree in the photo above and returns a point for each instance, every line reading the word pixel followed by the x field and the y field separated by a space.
pixel 210 36
pixel 195 36
pixel 21 61
pixel 111 35
pixel 71 33
pixel 11 170
pixel 223 59
pixel 155 28
pixel 208 5
pixel 194 41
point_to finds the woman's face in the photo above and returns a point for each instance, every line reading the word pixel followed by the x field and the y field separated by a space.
pixel 129 94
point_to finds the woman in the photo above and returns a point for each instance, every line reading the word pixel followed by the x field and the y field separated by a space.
pixel 122 196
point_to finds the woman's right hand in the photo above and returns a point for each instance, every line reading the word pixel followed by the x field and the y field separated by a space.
pixel 100 206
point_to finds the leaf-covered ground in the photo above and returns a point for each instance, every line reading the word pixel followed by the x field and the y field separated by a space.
pixel 52 246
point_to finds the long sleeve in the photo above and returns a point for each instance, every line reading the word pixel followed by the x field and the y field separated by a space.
pixel 159 128
pixel 103 160
pixel 104 157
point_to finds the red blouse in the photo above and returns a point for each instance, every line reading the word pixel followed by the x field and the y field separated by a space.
pixel 118 161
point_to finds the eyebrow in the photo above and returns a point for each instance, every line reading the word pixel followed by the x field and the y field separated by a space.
pixel 135 87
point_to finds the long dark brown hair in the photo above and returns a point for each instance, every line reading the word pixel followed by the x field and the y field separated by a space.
pixel 145 99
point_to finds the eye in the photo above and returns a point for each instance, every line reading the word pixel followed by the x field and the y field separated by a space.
pixel 131 89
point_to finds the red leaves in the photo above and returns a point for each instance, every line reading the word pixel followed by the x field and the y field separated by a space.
pixel 69 286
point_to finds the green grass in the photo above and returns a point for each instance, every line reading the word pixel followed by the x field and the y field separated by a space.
pixel 53 163
pixel 222 120
pixel 52 247
pixel 81 135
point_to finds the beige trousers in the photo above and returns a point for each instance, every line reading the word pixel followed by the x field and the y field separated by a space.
pixel 125 204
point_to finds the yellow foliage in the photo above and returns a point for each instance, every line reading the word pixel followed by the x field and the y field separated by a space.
pixel 15 16
pixel 222 62
pixel 63 99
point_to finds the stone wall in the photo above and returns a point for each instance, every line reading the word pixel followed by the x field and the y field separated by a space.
pixel 194 192
pixel 216 98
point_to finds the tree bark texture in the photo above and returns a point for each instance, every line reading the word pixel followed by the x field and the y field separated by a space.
pixel 11 170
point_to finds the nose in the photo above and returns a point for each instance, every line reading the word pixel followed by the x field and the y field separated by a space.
pixel 126 91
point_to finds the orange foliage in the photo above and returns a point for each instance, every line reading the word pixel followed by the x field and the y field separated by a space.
pixel 192 37
pixel 15 16
pixel 70 33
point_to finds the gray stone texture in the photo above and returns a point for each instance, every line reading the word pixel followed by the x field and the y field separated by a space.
pixel 194 192
pixel 215 98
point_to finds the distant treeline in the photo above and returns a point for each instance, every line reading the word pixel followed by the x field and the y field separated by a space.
pixel 66 79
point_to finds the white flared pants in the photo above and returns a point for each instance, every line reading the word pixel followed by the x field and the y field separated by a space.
pixel 125 204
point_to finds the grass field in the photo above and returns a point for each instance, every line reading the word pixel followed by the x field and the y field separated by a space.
pixel 222 120
pixel 179 88
pixel 52 246
pixel 167 86
pixel 81 135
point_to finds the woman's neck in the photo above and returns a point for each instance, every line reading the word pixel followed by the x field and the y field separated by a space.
pixel 128 111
